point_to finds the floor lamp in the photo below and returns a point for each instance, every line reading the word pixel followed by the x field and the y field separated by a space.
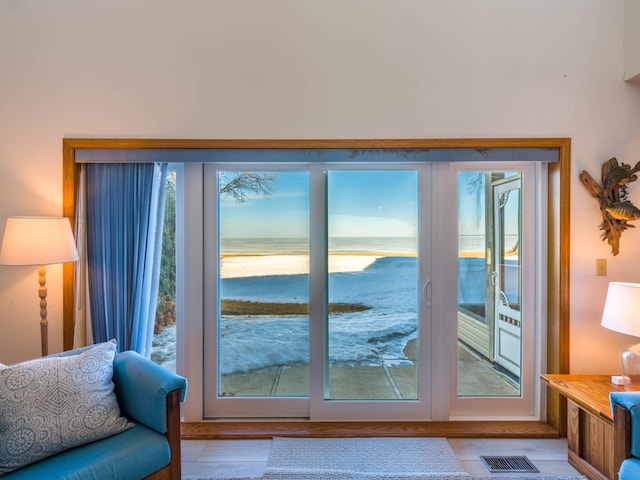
pixel 38 241
pixel 621 314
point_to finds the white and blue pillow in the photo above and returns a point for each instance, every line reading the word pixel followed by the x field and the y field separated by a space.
pixel 55 403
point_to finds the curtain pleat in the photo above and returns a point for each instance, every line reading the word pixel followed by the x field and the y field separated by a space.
pixel 81 327
pixel 124 206
pixel 148 277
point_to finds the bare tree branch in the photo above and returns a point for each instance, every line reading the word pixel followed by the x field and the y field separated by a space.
pixel 240 184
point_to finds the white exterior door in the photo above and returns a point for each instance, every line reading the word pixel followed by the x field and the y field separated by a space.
pixel 507 274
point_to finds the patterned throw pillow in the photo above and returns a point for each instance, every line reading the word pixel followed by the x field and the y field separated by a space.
pixel 52 404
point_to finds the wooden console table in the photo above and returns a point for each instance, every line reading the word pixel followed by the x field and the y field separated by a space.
pixel 590 438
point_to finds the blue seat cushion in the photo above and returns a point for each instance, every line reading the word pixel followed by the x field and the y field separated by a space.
pixel 631 401
pixel 630 469
pixel 132 454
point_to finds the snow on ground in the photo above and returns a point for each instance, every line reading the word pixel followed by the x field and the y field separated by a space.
pixel 236 266
pixel 378 336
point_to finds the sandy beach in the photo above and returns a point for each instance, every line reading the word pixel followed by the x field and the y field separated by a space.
pixel 241 266
pixel 237 266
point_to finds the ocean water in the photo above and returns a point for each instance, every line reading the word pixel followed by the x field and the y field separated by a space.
pixel 283 246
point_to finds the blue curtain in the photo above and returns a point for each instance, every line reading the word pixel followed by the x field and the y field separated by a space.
pixel 124 217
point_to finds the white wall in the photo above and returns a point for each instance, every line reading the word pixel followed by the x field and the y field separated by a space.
pixel 301 69
pixel 631 40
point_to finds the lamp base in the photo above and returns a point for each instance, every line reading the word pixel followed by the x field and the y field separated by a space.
pixel 631 364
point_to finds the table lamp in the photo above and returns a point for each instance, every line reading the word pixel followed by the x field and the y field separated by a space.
pixel 38 241
pixel 622 314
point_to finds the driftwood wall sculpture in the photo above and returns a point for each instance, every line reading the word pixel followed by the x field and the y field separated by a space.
pixel 615 207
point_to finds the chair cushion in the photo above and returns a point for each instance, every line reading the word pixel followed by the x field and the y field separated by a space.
pixel 131 455
pixel 52 404
pixel 630 469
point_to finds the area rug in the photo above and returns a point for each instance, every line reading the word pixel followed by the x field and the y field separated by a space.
pixel 362 459
pixel 208 477
pixel 537 476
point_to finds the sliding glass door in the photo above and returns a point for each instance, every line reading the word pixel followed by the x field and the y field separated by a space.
pixel 352 345
pixel 330 291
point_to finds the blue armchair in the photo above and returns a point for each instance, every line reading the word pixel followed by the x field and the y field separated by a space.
pixel 148 395
pixel 626 421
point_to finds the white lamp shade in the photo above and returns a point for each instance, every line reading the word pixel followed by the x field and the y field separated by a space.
pixel 37 241
pixel 622 308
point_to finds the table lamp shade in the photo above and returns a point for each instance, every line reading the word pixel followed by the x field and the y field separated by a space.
pixel 622 308
pixel 622 314
pixel 37 241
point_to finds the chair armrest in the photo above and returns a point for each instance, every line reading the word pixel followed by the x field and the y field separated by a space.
pixel 142 386
pixel 626 418
pixel 621 436
pixel 627 399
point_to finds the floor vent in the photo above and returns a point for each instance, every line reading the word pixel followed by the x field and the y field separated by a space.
pixel 508 464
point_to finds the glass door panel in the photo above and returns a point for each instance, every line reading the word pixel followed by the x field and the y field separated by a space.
pixel 263 326
pixel 372 326
pixel 489 213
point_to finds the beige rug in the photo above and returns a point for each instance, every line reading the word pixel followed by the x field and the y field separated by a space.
pixel 363 459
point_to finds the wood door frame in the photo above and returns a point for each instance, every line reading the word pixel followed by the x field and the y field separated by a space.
pixel 558 331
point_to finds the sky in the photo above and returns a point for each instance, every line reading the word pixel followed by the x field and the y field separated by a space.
pixel 360 203
pixel 471 202
pixel 380 203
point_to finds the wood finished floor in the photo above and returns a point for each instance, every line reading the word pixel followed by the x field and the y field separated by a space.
pixel 248 458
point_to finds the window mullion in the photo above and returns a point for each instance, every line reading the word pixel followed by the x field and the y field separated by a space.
pixel 318 370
